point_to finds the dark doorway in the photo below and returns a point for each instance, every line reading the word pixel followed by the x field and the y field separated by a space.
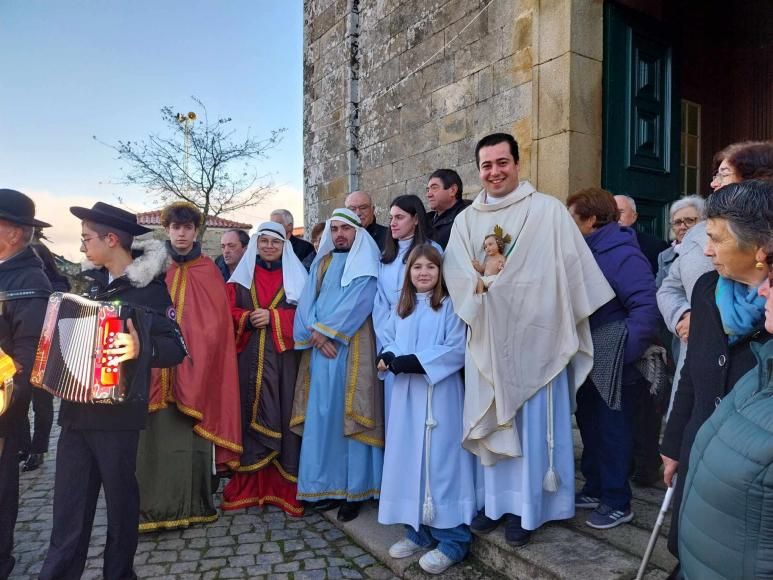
pixel 682 80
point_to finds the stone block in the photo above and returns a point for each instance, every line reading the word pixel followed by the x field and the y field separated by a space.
pixel 512 71
pixel 484 82
pixel 415 113
pixel 521 34
pixel 322 22
pixel 512 104
pixel 381 78
pixel 480 54
pixel 554 96
pixel 503 13
pixel 453 97
pixel 482 117
pixel 422 139
pixel 377 130
pixel 553 29
pixel 380 51
pixel 586 95
pixel 588 28
pixel 376 177
pixel 567 162
pixel 470 177
pixel 453 127
pixel 421 55
pixel 439 73
pixel 465 30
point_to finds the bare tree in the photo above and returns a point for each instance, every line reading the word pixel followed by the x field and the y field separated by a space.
pixel 199 161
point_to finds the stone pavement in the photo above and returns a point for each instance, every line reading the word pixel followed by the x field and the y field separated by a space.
pixel 253 543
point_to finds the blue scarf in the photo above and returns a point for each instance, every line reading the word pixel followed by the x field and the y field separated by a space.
pixel 740 308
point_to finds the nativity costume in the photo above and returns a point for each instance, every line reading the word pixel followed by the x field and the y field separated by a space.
pixel 193 406
pixel 339 401
pixel 268 368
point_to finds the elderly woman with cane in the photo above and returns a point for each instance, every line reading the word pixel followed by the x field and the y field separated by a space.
pixel 729 319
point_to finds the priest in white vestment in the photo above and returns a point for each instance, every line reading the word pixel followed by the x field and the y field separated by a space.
pixel 529 344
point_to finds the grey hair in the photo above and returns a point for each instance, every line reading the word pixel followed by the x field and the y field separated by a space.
pixel 287 217
pixel 695 201
pixel 630 200
pixel 748 208
pixel 27 233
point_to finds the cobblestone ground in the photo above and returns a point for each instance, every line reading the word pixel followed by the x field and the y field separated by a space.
pixel 253 543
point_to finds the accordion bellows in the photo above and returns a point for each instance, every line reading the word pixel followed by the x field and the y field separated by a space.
pixel 7 371
pixel 71 362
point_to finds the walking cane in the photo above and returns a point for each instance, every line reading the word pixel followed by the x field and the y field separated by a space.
pixel 658 524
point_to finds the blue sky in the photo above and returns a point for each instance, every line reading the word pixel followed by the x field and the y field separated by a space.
pixel 74 69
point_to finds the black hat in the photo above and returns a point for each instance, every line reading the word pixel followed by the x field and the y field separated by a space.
pixel 18 208
pixel 109 215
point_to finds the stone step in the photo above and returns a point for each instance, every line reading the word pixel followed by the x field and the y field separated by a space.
pixel 559 550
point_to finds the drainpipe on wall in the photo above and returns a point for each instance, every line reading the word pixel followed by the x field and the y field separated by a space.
pixel 352 125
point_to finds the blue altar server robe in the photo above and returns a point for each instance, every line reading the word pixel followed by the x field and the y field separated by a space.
pixel 437 337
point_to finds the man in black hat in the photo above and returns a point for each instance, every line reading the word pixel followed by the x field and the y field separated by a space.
pixel 24 291
pixel 98 443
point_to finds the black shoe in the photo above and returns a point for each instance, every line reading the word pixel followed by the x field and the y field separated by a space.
pixel 348 511
pixel 515 535
pixel 324 505
pixel 483 524
pixel 34 461
pixel 23 455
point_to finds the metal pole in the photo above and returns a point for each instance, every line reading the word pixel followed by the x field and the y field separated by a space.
pixel 658 524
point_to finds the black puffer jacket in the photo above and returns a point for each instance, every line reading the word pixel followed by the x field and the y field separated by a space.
pixel 161 345
pixel 20 322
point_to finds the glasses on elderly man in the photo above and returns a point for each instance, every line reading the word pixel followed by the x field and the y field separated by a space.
pixel 689 222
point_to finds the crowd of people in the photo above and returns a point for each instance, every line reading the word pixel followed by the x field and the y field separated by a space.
pixel 433 365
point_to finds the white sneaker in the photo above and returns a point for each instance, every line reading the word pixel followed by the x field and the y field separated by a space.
pixel 404 548
pixel 435 562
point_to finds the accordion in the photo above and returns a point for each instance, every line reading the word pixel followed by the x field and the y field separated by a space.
pixel 7 371
pixel 70 362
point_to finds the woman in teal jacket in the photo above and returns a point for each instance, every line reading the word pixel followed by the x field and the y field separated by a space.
pixel 726 521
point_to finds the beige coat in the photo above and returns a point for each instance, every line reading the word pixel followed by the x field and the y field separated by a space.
pixel 533 320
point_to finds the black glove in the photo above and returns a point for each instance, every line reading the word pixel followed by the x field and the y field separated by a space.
pixel 407 363
pixel 387 357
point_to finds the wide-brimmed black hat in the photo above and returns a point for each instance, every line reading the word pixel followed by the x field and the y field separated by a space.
pixel 18 208
pixel 109 215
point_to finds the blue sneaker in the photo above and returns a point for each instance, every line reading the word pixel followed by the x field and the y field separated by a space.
pixel 604 517
pixel 586 502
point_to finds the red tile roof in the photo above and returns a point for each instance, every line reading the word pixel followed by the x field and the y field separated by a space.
pixel 153 218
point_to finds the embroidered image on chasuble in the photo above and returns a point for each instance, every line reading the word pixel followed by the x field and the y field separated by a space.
pixel 338 402
pixel 268 366
pixel 193 406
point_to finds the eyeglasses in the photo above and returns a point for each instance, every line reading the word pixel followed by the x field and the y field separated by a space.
pixel 362 207
pixel 723 174
pixel 688 222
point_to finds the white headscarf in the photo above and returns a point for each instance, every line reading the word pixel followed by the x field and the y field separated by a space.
pixel 364 254
pixel 294 275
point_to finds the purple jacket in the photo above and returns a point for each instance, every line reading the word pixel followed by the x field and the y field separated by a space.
pixel 629 273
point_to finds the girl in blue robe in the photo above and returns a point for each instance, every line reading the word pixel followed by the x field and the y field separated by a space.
pixel 428 478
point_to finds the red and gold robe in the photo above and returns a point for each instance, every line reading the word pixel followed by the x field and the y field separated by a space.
pixel 205 386
pixel 268 367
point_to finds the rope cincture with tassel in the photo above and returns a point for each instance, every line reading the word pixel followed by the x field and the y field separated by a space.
pixel 551 481
pixel 428 510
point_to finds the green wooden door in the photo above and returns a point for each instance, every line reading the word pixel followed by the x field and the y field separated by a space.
pixel 641 115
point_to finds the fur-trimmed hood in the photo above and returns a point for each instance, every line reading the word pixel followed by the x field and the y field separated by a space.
pixel 151 260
